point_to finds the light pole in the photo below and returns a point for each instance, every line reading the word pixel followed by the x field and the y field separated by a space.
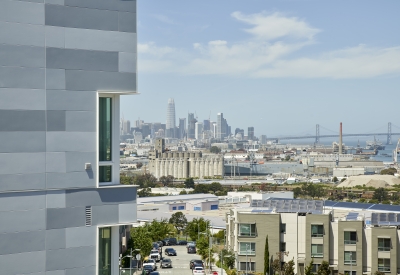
pixel 351 263
pixel 247 252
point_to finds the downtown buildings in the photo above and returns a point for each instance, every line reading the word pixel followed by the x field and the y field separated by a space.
pixel 63 69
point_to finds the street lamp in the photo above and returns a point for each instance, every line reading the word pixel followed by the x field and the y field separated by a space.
pixel 130 264
pixel 247 250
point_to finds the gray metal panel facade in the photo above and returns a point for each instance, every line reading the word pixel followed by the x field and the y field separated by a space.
pixel 55 55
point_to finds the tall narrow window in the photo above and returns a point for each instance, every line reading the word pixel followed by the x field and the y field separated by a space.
pixel 105 129
pixel 105 138
pixel 105 251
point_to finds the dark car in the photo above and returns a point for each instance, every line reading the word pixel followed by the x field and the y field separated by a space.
pixel 170 252
pixel 147 269
pixel 182 242
pixel 160 243
pixel 170 241
pixel 166 263
pixel 195 263
pixel 191 249
pixel 155 273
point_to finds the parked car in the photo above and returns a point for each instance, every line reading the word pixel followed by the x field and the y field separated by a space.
pixel 154 273
pixel 195 262
pixel 182 242
pixel 150 262
pixel 160 243
pixel 147 269
pixel 170 241
pixel 190 243
pixel 170 252
pixel 155 255
pixel 199 270
pixel 166 263
pixel 191 249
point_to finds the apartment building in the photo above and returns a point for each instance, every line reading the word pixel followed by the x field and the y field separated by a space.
pixel 353 238
pixel 63 67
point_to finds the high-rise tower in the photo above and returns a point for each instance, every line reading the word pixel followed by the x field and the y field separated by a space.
pixel 170 119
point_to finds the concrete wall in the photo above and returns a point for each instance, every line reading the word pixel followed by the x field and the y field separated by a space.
pixel 55 56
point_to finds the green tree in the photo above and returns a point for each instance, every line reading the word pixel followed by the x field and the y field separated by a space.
pixel 215 149
pixel 380 194
pixel 125 179
pixel 215 187
pixel 266 256
pixel 228 259
pixel 276 265
pixel 145 180
pixel 389 171
pixel 203 248
pixel 158 230
pixel 324 269
pixel 197 226
pixel 144 192
pixel 288 268
pixel 166 180
pixel 189 183
pixel 297 192
pixel 140 239
pixel 308 270
pixel 139 165
pixel 201 188
pixel 335 179
pixel 183 192
pixel 178 219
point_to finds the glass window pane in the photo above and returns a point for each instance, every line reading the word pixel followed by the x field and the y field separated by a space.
pixel 245 229
pixel 105 173
pixel 105 251
pixel 105 128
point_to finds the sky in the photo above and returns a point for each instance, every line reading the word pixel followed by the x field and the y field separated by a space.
pixel 281 66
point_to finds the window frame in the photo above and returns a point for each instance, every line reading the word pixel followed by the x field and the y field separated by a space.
pixel 251 234
pixel 318 234
pixel 349 241
pixel 250 252
pixel 353 260
pixel 283 228
pixel 384 248
pixel 115 123
pixel 384 268
pixel 318 255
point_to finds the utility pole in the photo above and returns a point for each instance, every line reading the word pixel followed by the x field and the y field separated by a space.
pixel 389 134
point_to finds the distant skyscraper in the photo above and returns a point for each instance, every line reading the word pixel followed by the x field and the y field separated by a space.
pixel 263 139
pixel 126 127
pixel 250 133
pixel 182 128
pixel 206 125
pixel 170 119
pixel 191 125
pixel 198 130
pixel 220 126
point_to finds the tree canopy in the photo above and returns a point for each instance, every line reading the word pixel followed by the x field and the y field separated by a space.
pixel 380 194
pixel 178 219
pixel 215 149
pixel 189 183
pixel 197 226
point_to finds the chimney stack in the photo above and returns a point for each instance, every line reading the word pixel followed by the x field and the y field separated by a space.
pixel 340 139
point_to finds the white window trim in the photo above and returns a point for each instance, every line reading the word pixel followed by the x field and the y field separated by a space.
pixel 115 178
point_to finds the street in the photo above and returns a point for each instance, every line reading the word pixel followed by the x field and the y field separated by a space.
pixel 180 263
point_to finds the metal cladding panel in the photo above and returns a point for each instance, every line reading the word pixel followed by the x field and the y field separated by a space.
pixel 101 196
pixel 23 120
pixel 21 163
pixel 19 142
pixel 57 58
pixel 76 17
pixel 22 201
pixel 17 221
pixel 58 218
pixel 71 100
pixel 22 12
pixel 21 34
pixel 33 262
pixel 20 77
pixel 30 241
pixel 55 120
pixel 20 182
pixel 22 56
pixel 55 79
pixel 81 270
pixel 56 239
pixel 80 121
pixel 29 99
pixel 71 180
pixel 70 258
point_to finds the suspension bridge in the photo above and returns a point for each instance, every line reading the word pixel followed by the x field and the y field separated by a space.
pixel 318 136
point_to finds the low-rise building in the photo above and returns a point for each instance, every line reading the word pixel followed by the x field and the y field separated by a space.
pixel 353 238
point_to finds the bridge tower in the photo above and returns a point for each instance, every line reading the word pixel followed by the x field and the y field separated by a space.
pixel 389 134
pixel 317 134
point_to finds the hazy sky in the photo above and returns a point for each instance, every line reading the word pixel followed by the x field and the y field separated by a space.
pixel 280 66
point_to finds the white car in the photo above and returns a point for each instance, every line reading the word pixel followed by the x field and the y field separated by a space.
pixel 155 255
pixel 198 270
pixel 150 262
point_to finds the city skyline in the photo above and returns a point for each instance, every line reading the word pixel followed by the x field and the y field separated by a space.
pixel 327 63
